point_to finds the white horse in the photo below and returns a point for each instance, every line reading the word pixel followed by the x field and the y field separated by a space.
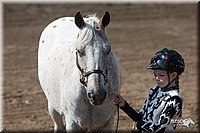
pixel 78 73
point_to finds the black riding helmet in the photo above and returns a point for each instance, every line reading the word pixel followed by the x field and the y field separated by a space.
pixel 169 60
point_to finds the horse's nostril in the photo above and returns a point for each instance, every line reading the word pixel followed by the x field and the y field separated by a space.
pixel 96 99
pixel 105 93
pixel 89 95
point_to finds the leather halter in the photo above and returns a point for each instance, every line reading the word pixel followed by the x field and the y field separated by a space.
pixel 85 75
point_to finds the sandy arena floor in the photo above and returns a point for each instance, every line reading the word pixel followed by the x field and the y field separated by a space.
pixel 136 32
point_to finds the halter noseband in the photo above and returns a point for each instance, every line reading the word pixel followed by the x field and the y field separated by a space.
pixel 85 75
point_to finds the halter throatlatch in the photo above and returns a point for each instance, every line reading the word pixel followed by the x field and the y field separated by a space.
pixel 84 75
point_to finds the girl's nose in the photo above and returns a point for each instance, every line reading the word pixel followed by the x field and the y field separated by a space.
pixel 156 77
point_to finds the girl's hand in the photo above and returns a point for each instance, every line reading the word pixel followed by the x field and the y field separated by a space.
pixel 134 128
pixel 118 99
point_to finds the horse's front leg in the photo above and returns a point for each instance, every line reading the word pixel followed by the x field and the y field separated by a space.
pixel 107 127
pixel 57 119
pixel 71 125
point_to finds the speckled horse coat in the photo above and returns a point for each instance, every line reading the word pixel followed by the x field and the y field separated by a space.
pixel 78 73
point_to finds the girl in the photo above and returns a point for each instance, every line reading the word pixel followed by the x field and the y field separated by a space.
pixel 164 101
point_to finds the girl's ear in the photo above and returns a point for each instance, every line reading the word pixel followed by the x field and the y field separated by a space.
pixel 174 75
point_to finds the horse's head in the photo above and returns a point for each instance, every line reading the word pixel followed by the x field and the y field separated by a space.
pixel 92 53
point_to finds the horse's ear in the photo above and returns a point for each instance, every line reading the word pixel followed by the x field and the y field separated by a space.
pixel 80 23
pixel 105 20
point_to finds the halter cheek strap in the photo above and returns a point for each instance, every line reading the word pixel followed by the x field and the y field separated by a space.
pixel 84 75
pixel 169 82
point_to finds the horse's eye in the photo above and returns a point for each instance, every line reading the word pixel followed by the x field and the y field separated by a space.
pixel 98 27
pixel 108 49
pixel 81 52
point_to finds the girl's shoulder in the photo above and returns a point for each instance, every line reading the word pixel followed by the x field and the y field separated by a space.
pixel 173 94
pixel 167 94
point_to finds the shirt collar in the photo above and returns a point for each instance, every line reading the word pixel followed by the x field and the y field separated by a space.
pixel 169 89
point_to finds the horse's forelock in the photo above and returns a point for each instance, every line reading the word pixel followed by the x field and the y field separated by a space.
pixel 92 19
pixel 92 16
pixel 89 33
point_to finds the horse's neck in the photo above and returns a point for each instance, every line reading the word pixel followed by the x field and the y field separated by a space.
pixel 114 72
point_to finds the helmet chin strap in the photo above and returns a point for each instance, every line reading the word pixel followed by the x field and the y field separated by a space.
pixel 169 82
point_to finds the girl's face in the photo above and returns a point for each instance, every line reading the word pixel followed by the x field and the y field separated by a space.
pixel 162 78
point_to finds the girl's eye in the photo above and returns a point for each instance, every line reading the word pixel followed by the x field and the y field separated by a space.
pixel 159 75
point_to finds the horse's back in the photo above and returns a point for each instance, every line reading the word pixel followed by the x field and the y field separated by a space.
pixel 59 32
pixel 55 41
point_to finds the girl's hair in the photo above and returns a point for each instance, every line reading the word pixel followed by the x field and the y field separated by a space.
pixel 177 82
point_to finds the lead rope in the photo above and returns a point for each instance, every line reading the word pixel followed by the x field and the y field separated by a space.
pixel 115 94
pixel 117 118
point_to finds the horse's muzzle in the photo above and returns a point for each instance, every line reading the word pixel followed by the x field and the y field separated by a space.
pixel 96 99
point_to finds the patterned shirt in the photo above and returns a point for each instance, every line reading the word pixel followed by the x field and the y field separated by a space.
pixel 159 108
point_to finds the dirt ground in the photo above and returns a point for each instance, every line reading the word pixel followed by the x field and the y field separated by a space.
pixel 135 33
